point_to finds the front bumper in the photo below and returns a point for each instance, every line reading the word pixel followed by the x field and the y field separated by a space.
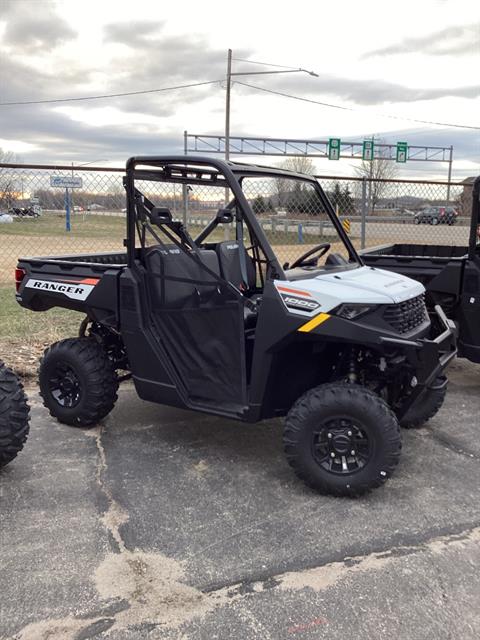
pixel 428 357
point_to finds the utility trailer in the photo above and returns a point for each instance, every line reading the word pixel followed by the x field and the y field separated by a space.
pixel 450 274
pixel 226 327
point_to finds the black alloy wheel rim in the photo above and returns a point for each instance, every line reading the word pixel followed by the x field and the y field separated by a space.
pixel 64 386
pixel 341 446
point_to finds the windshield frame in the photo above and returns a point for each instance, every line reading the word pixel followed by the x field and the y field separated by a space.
pixel 355 259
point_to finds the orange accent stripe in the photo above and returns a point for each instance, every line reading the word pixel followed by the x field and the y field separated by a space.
pixel 300 293
pixel 93 281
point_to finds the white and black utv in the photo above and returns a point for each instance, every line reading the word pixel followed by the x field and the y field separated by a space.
pixel 344 351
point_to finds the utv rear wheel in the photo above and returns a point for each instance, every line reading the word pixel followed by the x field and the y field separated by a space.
pixel 78 382
pixel 14 412
pixel 426 406
pixel 342 439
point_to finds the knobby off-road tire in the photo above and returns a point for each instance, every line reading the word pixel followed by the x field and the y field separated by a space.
pixel 14 412
pixel 426 406
pixel 337 419
pixel 78 382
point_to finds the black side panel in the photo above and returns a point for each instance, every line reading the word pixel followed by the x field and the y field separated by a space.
pixel 417 251
pixel 199 321
pixel 205 347
pixel 468 313
pixel 89 289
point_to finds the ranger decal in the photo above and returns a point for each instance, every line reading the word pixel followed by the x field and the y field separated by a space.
pixel 76 290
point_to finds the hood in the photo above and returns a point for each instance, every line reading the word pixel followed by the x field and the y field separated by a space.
pixel 363 285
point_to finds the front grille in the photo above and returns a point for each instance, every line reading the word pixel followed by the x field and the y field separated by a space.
pixel 406 316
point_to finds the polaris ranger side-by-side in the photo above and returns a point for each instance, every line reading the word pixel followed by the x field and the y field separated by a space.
pixel 451 275
pixel 221 326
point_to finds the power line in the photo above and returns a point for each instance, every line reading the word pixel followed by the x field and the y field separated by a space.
pixel 110 95
pixel 336 106
pixel 264 64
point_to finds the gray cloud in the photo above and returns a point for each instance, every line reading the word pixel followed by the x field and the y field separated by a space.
pixel 34 29
pixel 363 92
pixel 454 40
pixel 132 34
pixel 62 139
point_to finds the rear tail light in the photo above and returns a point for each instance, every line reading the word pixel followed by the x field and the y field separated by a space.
pixel 19 276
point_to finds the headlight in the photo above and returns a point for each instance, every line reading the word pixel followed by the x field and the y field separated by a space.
pixel 353 311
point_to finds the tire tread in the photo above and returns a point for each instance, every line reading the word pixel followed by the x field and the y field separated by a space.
pixel 102 380
pixel 14 416
pixel 316 399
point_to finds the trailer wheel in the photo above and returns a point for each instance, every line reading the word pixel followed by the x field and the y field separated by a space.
pixel 78 382
pixel 14 412
pixel 426 406
pixel 342 439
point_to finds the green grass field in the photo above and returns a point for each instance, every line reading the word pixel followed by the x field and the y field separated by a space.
pixel 52 224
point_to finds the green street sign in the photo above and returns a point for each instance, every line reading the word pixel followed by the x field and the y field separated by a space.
pixel 334 149
pixel 368 149
pixel 402 151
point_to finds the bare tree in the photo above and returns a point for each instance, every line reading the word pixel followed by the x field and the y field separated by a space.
pixel 284 187
pixel 377 170
pixel 300 164
pixel 7 180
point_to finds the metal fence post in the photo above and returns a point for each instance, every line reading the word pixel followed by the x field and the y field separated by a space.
pixel 364 213
pixel 184 186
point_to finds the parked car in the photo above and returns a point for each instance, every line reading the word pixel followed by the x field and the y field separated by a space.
pixel 436 215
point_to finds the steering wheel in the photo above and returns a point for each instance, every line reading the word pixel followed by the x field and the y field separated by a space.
pixel 321 249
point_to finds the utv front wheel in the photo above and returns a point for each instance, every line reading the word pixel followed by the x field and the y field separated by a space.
pixel 78 382
pixel 426 406
pixel 14 412
pixel 342 439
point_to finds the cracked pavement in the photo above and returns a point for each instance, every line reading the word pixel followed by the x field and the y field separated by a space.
pixel 165 524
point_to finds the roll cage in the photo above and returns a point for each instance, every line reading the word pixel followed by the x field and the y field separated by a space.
pixel 187 170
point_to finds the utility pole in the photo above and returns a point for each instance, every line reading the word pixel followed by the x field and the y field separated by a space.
pixel 247 73
pixel 227 105
pixel 184 186
pixel 370 178
pixel 450 160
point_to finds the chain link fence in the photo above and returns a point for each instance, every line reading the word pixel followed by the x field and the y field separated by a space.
pixel 38 219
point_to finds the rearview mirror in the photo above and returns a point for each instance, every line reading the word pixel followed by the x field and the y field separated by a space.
pixel 160 215
pixel 224 216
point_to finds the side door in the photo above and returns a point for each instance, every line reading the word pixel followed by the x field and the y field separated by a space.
pixel 200 322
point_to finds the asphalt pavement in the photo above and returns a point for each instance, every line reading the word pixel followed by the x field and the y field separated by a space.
pixel 166 524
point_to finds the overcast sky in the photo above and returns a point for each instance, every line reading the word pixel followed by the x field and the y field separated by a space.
pixel 410 59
